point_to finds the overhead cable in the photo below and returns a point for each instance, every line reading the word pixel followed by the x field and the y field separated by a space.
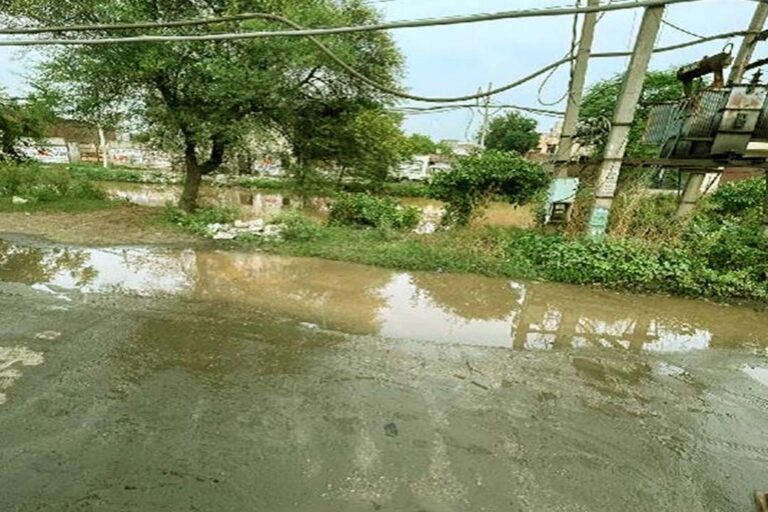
pixel 303 32
pixel 360 76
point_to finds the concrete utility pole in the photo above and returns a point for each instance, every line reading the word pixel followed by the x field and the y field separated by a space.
pixel 748 43
pixel 622 120
pixel 576 91
pixel 486 117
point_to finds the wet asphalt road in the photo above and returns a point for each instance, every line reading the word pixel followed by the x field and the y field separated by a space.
pixel 114 402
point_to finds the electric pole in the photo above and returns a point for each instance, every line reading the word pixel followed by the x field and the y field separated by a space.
pixel 624 114
pixel 576 91
pixel 486 117
pixel 748 43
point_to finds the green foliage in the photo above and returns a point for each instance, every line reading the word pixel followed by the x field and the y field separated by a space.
pixel 512 132
pixel 475 180
pixel 358 140
pixel 419 144
pixel 737 198
pixel 22 120
pixel 198 221
pixel 365 210
pixel 600 101
pixel 202 98
pixel 297 227
pixel 40 184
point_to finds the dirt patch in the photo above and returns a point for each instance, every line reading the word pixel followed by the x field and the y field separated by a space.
pixel 122 225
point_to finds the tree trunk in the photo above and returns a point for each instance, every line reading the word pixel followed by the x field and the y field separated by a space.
pixel 188 201
pixel 103 148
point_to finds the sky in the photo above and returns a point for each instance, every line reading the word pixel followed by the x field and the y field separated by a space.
pixel 457 60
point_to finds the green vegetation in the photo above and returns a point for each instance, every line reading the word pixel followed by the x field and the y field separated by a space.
pixel 600 101
pixel 512 132
pixel 365 210
pixel 197 222
pixel 478 179
pixel 34 184
pixel 201 100
pixel 419 144
pixel 20 120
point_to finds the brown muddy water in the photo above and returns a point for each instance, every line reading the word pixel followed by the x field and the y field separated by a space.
pixel 254 203
pixel 147 378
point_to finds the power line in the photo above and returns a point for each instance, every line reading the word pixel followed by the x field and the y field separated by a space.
pixel 372 83
pixel 425 22
pixel 681 29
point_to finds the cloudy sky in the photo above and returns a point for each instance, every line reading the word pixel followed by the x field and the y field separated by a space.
pixel 457 60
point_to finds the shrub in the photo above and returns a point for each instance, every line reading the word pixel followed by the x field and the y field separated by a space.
pixel 366 210
pixel 297 227
pixel 477 179
pixel 199 221
pixel 737 198
pixel 36 183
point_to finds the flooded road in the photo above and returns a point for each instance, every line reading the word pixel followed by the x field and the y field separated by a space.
pixel 145 378
pixel 254 203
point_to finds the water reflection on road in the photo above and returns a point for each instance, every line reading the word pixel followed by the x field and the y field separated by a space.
pixel 431 307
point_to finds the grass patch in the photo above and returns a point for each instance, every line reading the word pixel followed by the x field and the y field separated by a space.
pixel 199 221
pixel 33 188
pixel 58 205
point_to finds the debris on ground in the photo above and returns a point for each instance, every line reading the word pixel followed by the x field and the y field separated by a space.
pixel 244 229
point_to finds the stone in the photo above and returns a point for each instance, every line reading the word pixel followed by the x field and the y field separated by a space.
pixel 214 228
pixel 239 224
pixel 256 225
pixel 224 235
pixel 19 200
pixel 273 230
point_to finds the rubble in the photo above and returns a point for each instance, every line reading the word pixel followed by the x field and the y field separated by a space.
pixel 243 229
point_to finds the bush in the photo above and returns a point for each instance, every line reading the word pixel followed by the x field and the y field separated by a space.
pixel 737 199
pixel 366 210
pixel 477 179
pixel 297 227
pixel 39 184
pixel 199 221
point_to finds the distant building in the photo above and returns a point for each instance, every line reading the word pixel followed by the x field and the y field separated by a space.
pixel 461 148
pixel 550 141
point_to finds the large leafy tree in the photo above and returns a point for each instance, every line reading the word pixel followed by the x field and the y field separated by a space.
pixel 600 101
pixel 512 132
pixel 205 96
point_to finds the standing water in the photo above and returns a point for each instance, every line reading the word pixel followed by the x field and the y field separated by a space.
pixel 145 378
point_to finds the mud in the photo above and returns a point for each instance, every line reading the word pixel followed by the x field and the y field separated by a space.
pixel 118 225
pixel 143 379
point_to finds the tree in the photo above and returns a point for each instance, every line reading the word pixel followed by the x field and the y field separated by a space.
pixel 356 138
pixel 419 144
pixel 206 95
pixel 600 101
pixel 20 120
pixel 512 132
pixel 477 179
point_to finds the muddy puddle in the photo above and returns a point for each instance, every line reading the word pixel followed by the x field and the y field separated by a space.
pixel 255 203
pixel 146 378
pixel 442 308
